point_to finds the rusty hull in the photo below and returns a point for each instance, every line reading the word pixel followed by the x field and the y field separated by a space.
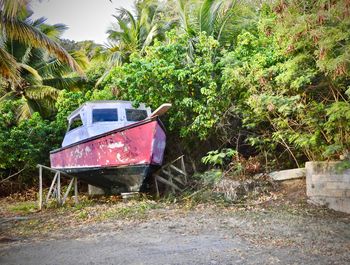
pixel 117 161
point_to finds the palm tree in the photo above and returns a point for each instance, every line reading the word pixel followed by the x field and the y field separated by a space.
pixel 217 18
pixel 13 27
pixel 133 33
pixel 40 75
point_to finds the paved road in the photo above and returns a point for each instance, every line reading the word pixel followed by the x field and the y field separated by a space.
pixel 193 240
pixel 152 248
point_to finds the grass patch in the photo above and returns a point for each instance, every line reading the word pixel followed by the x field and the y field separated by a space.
pixel 25 207
pixel 132 210
pixel 82 214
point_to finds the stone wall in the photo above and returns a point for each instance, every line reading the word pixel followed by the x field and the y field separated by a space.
pixel 327 185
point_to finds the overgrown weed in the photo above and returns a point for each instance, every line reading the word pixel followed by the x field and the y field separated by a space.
pixel 24 207
pixel 136 209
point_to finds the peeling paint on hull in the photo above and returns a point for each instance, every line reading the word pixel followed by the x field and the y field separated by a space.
pixel 104 160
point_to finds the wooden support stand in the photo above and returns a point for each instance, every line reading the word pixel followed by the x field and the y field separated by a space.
pixel 55 187
pixel 173 175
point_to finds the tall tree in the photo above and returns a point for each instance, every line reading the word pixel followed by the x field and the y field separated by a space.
pixel 40 75
pixel 14 27
pixel 220 19
pixel 134 32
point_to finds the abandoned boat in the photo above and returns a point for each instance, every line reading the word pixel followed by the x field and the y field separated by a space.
pixel 112 145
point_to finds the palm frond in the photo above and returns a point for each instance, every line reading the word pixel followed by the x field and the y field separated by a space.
pixel 118 32
pixel 10 8
pixel 206 16
pixel 19 30
pixel 150 37
pixel 42 100
pixel 113 34
pixel 26 56
pixel 226 16
pixel 181 7
pixel 81 58
pixel 38 22
pixel 116 58
pixel 8 96
pixel 134 32
pixel 170 25
pixel 16 49
pixel 8 66
pixel 54 32
pixel 40 92
pixel 34 75
pixel 148 14
pixel 52 67
pixel 60 83
pixel 25 110
pixel 55 68
pixel 100 80
pixel 129 17
pixel 184 18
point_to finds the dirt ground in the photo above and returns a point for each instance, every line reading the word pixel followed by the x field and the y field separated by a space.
pixel 279 229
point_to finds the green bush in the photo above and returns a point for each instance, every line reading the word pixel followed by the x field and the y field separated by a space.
pixel 165 74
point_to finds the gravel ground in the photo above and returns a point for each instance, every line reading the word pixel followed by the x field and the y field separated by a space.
pixel 277 228
pixel 203 235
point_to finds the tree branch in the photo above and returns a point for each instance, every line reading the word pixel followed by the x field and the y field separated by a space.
pixel 13 174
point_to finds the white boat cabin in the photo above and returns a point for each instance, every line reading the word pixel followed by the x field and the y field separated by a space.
pixel 97 117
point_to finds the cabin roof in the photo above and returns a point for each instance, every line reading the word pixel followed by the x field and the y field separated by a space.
pixel 94 102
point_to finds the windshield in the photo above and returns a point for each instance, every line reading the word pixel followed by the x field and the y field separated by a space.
pixel 101 115
pixel 135 114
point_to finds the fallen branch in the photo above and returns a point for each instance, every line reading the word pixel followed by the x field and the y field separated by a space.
pixel 13 174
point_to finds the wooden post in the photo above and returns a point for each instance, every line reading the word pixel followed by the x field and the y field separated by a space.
pixel 59 188
pixel 171 180
pixel 184 168
pixel 51 188
pixel 167 182
pixel 177 170
pixel 68 190
pixel 76 190
pixel 55 187
pixel 157 188
pixel 40 187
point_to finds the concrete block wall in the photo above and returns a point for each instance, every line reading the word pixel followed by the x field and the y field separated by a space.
pixel 327 185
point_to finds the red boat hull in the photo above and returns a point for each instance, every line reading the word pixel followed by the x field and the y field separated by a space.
pixel 139 145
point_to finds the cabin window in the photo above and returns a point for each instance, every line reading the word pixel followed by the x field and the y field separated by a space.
pixel 135 114
pixel 75 123
pixel 99 115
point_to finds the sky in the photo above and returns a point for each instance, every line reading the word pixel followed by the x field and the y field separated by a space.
pixel 86 19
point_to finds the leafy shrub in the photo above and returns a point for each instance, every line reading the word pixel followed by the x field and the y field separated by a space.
pixel 219 157
pixel 164 74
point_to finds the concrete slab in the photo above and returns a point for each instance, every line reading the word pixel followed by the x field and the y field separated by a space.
pixel 93 190
pixel 295 173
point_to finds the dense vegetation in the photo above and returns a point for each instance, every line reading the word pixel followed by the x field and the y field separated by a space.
pixel 262 79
